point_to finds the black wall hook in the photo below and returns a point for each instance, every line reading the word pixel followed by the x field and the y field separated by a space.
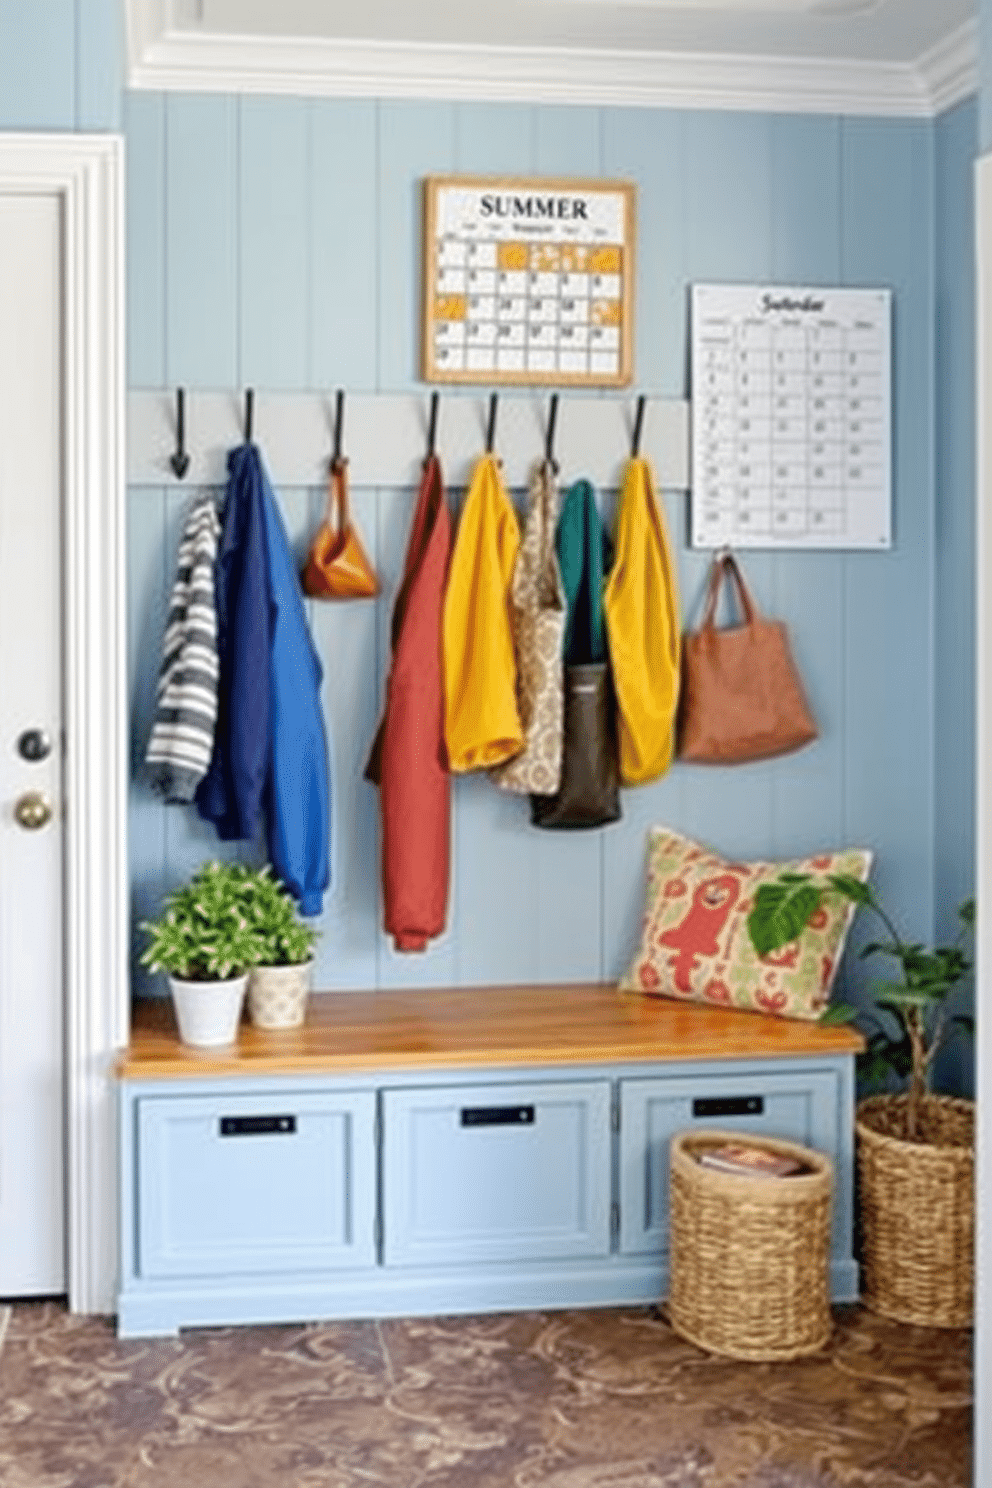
pixel 549 437
pixel 338 426
pixel 635 443
pixel 432 425
pixel 249 414
pixel 180 459
pixel 491 426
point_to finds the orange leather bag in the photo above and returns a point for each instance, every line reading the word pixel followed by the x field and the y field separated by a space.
pixel 337 565
pixel 741 697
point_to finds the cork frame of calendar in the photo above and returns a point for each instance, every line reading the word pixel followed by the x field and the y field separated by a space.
pixel 528 280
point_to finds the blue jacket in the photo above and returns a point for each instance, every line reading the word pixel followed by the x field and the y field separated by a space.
pixel 297 788
pixel 271 748
pixel 230 794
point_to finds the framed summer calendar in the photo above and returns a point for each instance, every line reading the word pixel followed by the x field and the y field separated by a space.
pixel 528 280
pixel 791 417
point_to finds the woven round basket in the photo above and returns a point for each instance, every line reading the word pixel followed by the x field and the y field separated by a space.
pixel 916 1207
pixel 749 1257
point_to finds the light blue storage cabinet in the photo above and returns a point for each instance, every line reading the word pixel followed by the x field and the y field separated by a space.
pixel 496 1173
pixel 252 1184
pixel 420 1157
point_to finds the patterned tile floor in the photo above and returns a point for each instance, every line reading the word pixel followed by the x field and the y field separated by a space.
pixel 595 1399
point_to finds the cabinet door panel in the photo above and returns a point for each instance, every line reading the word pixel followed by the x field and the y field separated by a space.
pixel 240 1184
pixel 497 1172
pixel 801 1107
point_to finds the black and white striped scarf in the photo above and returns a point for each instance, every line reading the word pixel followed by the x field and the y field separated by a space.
pixel 182 736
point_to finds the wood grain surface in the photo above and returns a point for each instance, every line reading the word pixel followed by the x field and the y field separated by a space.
pixel 587 1023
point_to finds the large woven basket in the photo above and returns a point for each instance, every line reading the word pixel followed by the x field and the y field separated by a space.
pixel 749 1260
pixel 916 1205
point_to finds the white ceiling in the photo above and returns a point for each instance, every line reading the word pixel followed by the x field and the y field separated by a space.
pixel 872 30
pixel 874 56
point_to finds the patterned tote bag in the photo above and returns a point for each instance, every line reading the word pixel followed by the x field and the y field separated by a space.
pixel 537 616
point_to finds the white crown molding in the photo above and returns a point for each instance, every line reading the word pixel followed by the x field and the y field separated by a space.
pixel 166 58
pixel 950 69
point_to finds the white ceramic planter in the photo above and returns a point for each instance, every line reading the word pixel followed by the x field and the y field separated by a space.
pixel 208 1012
pixel 277 995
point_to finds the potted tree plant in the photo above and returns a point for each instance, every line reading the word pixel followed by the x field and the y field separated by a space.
pixel 279 982
pixel 915 1148
pixel 206 944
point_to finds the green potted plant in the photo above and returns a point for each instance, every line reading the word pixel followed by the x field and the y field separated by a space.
pixel 206 945
pixel 279 982
pixel 915 1147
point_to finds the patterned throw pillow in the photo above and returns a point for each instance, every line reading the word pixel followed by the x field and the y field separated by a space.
pixel 695 943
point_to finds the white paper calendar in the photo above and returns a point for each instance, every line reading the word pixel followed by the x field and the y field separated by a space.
pixel 791 417
pixel 528 280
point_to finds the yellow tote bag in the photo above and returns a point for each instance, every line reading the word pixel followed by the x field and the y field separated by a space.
pixel 641 608
pixel 482 723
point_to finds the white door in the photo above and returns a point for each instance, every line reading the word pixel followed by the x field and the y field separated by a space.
pixel 32 1217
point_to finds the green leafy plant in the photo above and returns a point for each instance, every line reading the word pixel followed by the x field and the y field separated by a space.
pixel 910 1023
pixel 285 939
pixel 204 933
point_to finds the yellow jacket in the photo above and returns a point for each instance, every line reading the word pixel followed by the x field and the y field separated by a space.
pixel 481 721
pixel 641 607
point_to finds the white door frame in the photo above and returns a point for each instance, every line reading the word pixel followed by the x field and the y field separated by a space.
pixel 87 174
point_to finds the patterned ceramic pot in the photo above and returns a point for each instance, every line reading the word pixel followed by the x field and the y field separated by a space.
pixel 277 995
pixel 208 1013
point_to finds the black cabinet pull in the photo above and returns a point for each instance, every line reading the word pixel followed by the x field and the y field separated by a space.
pixel 729 1105
pixel 257 1126
pixel 497 1115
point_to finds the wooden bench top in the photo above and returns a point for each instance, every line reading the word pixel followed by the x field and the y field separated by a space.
pixel 472 1027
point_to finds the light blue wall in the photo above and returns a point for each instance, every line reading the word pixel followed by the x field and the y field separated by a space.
pixel 956 145
pixel 61 64
pixel 276 242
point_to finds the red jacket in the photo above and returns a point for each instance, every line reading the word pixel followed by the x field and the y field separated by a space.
pixel 408 760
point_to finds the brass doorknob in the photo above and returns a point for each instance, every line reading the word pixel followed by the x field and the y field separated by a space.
pixel 33 810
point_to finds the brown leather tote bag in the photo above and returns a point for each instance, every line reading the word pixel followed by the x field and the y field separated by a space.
pixel 337 565
pixel 741 696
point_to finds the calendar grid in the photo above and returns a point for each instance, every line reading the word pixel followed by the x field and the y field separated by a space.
pixel 791 417
pixel 528 281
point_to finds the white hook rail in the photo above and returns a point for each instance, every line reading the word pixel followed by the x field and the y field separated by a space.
pixel 385 436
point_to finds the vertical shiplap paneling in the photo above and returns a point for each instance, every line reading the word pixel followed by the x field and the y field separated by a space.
pixel 415 140
pixel 148 580
pixel 807 591
pixel 887 202
pixel 148 587
pixel 954 697
pixel 647 146
pixel 38 64
pixel 99 64
pixel 728 189
pixel 721 197
pixel 493 139
pixel 202 339
pixel 144 123
pixel 344 244
pixel 273 241
pixel 956 143
pixel 343 226
pixel 201 237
